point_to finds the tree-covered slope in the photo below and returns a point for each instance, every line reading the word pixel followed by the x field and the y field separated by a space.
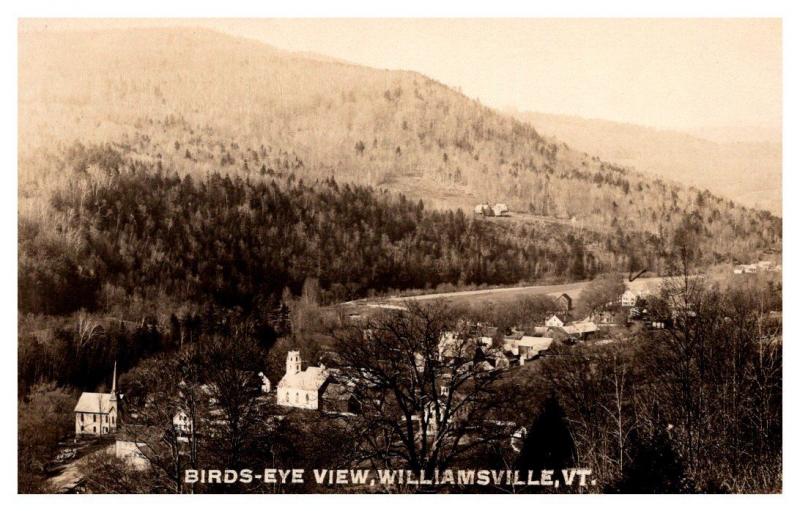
pixel 182 106
pixel 236 103
pixel 123 229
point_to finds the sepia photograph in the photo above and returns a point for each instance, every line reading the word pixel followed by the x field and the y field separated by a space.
pixel 399 255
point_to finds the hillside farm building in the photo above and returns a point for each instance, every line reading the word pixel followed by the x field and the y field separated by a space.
pixel 564 302
pixel 485 209
pixel 500 210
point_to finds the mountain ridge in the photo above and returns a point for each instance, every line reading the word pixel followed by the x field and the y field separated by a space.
pixel 199 102
pixel 725 168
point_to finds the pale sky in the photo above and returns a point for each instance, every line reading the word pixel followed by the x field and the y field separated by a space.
pixel 667 73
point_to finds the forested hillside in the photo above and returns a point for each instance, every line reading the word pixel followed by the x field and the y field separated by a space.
pixel 125 229
pixel 199 102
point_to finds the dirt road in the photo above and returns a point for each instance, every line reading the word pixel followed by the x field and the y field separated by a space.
pixel 641 285
pixel 524 290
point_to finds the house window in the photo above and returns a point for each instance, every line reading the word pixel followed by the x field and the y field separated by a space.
pixel 81 428
pixel 306 397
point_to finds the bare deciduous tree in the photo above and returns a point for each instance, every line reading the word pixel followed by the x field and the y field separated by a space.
pixel 424 402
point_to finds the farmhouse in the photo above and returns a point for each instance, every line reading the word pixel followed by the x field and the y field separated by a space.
pixel 483 209
pixel 554 321
pixel 182 424
pixel 301 389
pixel 628 298
pixel 96 412
pixel 605 317
pixel 500 210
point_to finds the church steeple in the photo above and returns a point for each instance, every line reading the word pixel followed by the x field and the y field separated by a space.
pixel 114 382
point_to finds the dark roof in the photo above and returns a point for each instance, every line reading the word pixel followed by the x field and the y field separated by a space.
pixel 337 392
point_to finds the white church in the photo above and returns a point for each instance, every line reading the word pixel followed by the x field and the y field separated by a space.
pixel 96 412
pixel 299 388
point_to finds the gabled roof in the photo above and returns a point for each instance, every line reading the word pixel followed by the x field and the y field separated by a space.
pixel 581 327
pixel 536 344
pixel 311 379
pixel 95 402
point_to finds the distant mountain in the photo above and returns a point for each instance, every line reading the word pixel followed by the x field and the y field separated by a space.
pixel 740 164
pixel 198 102
pixel 739 134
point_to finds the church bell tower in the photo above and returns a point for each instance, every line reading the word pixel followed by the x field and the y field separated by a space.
pixel 293 362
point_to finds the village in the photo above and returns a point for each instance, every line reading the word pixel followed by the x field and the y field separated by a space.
pixel 100 418
pixel 321 385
